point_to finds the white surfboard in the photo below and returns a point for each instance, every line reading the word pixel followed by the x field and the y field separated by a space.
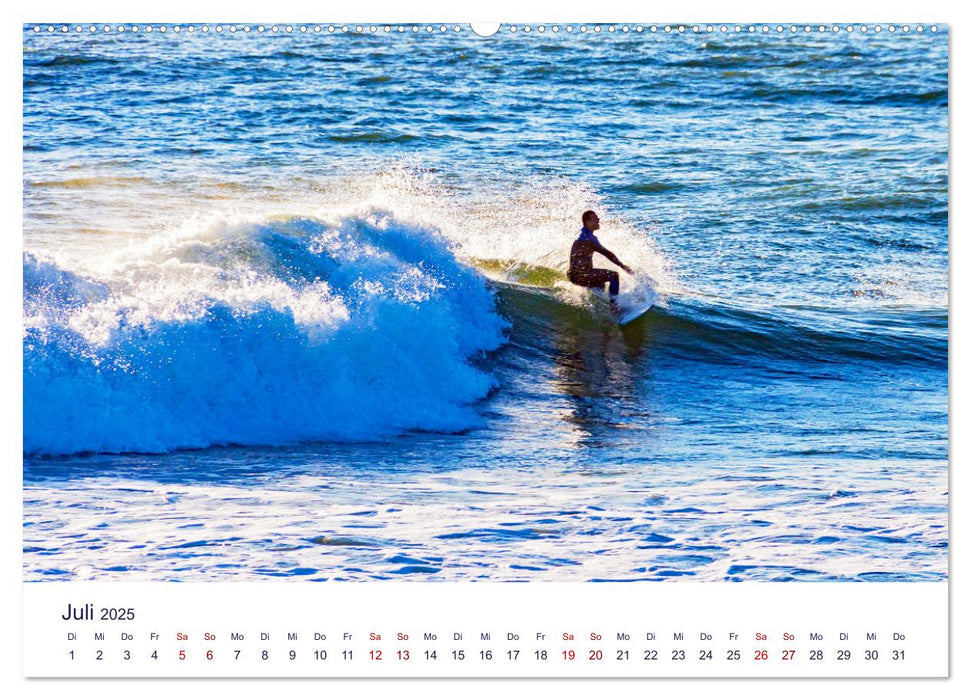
pixel 636 309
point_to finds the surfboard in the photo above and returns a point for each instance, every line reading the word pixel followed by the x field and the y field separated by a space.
pixel 626 316
pixel 636 309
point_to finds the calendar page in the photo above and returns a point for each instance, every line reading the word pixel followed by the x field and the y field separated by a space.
pixel 513 350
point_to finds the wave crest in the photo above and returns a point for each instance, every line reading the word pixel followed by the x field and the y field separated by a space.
pixel 256 333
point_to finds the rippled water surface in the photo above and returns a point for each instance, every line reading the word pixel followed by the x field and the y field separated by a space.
pixel 294 306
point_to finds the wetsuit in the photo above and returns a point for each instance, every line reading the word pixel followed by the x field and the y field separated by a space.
pixel 582 271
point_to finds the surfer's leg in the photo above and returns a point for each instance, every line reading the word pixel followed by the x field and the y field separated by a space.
pixel 606 277
pixel 614 280
pixel 594 279
pixel 598 279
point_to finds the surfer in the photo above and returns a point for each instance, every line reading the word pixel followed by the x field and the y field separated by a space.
pixel 582 272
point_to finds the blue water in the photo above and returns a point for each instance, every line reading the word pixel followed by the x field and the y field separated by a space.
pixel 294 307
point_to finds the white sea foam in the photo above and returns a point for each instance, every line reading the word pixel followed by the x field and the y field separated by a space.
pixel 258 333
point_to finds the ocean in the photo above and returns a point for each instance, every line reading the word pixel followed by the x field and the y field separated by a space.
pixel 295 304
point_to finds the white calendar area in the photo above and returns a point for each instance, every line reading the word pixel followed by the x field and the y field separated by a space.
pixel 485 630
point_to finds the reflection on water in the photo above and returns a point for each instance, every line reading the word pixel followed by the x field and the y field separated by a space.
pixel 597 366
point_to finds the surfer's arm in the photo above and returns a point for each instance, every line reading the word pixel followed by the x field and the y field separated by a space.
pixel 612 258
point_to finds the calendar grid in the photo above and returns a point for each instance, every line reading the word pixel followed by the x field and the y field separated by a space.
pixel 424 630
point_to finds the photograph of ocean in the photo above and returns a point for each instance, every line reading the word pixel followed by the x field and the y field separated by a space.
pixel 296 305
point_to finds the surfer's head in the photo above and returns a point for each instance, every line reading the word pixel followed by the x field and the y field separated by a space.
pixel 591 220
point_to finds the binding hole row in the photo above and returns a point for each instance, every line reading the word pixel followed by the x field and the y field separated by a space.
pixel 443 29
